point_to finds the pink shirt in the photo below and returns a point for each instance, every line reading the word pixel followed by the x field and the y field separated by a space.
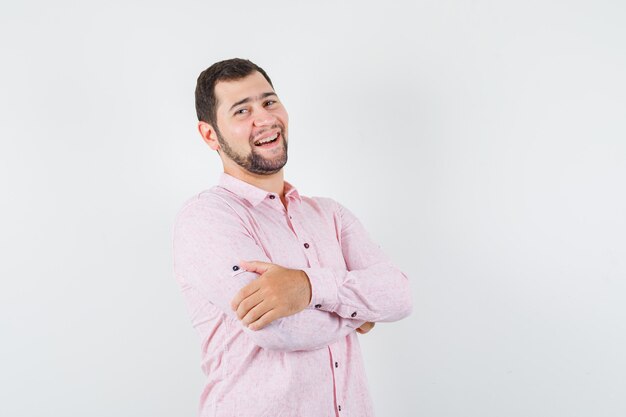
pixel 305 365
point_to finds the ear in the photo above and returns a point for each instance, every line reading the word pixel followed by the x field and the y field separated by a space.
pixel 208 135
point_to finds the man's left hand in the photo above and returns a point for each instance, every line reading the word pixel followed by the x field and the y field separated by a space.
pixel 365 327
pixel 277 292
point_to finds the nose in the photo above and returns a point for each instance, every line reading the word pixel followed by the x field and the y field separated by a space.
pixel 264 118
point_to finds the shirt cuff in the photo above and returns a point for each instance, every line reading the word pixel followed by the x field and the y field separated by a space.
pixel 323 288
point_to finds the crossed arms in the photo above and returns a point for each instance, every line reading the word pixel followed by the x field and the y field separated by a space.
pixel 281 308
pixel 277 292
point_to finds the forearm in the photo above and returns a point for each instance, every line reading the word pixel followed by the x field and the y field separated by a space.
pixel 368 285
pixel 306 330
pixel 379 293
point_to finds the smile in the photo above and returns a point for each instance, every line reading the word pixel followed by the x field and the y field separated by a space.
pixel 267 140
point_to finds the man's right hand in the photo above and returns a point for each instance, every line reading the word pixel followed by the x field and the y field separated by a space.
pixel 277 292
pixel 365 327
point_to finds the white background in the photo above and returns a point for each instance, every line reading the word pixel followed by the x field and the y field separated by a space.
pixel 482 143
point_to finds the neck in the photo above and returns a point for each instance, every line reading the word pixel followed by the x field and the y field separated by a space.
pixel 273 183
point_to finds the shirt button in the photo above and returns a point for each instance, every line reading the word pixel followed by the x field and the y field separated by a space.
pixel 272 196
pixel 235 268
pixel 353 314
pixel 318 305
pixel 306 245
pixel 339 408
pixel 336 364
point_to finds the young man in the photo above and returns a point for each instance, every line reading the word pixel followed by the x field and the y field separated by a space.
pixel 277 284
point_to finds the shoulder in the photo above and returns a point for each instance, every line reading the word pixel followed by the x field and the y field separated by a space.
pixel 322 204
pixel 327 205
pixel 328 208
pixel 211 217
pixel 207 200
pixel 212 205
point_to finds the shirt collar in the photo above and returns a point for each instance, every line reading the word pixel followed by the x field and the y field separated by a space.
pixel 253 194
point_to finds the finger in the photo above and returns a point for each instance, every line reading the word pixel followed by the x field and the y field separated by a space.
pixel 248 304
pixel 365 327
pixel 244 293
pixel 264 320
pixel 255 313
pixel 255 266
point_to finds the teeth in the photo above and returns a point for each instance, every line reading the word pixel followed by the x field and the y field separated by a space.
pixel 267 140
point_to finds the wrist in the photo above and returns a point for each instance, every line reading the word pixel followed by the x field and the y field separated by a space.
pixel 324 290
pixel 309 290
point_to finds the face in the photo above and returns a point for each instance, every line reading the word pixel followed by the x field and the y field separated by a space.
pixel 251 124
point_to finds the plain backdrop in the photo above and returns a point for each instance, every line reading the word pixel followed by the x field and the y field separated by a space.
pixel 482 144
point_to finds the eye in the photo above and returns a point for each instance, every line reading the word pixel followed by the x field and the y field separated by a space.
pixel 241 111
pixel 270 102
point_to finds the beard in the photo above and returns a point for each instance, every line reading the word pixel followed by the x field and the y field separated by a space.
pixel 254 162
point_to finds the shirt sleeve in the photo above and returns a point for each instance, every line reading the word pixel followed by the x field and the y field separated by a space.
pixel 210 240
pixel 370 287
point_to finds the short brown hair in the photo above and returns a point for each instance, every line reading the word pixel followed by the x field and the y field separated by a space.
pixel 228 70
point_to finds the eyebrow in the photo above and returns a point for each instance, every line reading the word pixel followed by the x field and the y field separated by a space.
pixel 248 99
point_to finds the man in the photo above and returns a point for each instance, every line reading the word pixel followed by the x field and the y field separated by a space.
pixel 277 284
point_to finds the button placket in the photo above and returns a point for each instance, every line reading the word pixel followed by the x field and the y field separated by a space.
pixel 295 226
pixel 304 238
pixel 338 373
pixel 336 379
